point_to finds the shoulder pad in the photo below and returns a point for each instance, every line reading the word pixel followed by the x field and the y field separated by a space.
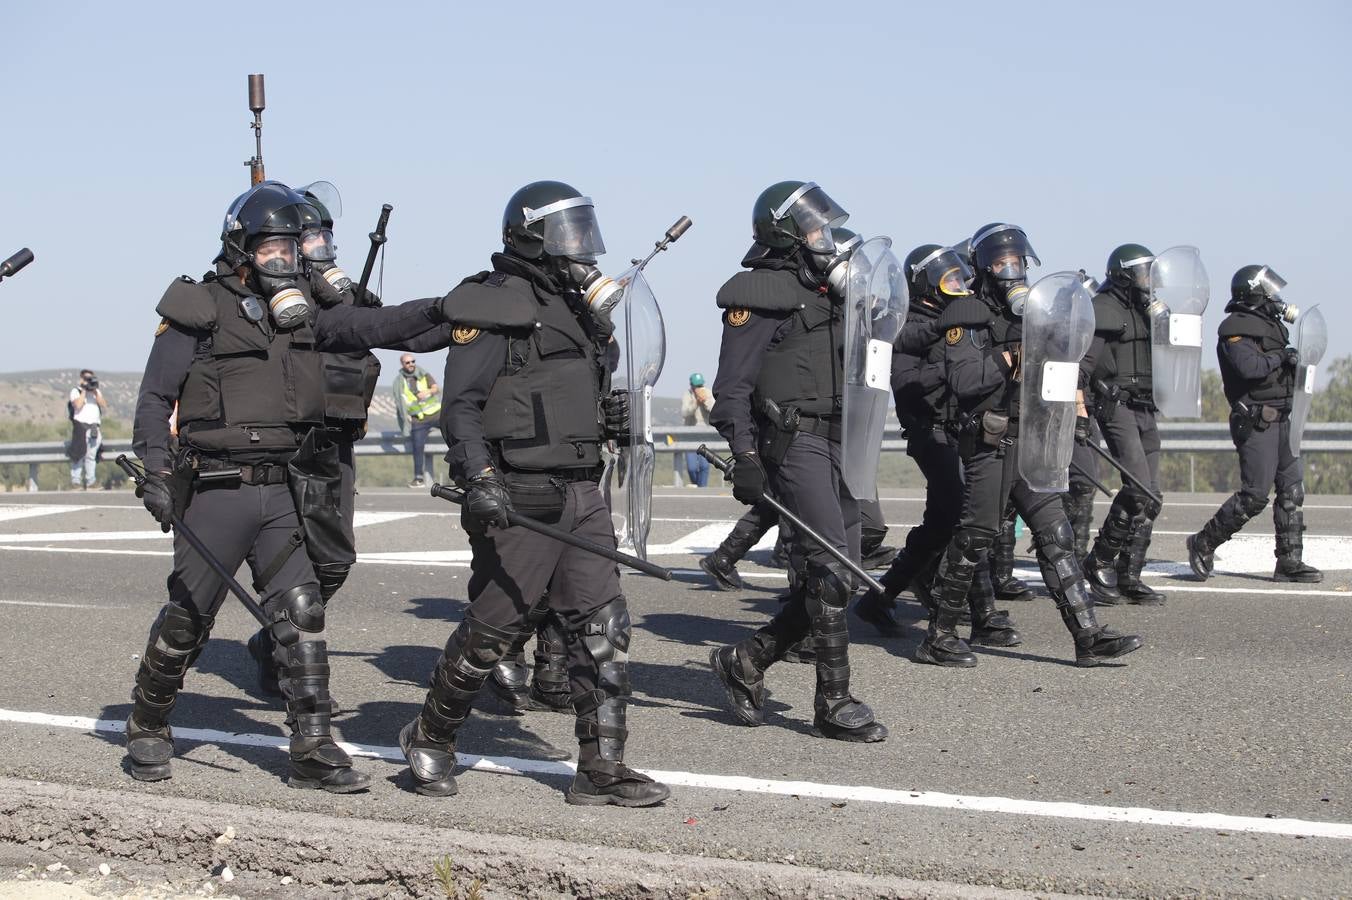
pixel 763 290
pixel 1245 324
pixel 188 304
pixel 491 300
pixel 965 311
pixel 1109 316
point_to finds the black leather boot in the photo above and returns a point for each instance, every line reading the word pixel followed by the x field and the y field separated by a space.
pixel 942 646
pixel 176 640
pixel 1289 518
pixel 991 627
pixel 1094 643
pixel 549 689
pixel 1132 561
pixel 1100 565
pixel 837 715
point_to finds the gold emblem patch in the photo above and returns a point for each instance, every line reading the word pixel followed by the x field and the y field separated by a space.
pixel 162 328
pixel 463 334
pixel 953 335
pixel 737 316
pixel 1235 338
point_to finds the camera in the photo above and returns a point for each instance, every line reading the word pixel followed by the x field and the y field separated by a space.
pixel 91 384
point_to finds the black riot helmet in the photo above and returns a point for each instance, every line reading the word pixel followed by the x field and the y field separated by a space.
pixel 550 218
pixel 1000 256
pixel 326 200
pixel 937 273
pixel 1129 267
pixel 1255 285
pixel 262 228
pixel 790 214
pixel 316 241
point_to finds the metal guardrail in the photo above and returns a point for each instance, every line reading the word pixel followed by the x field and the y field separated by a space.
pixel 1177 437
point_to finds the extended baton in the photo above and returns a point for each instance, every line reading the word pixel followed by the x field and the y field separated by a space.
pixel 377 241
pixel 1091 479
pixel 799 525
pixel 1140 485
pixel 455 495
pixel 139 478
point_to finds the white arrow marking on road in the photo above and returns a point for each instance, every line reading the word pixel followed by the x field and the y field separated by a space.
pixel 1134 815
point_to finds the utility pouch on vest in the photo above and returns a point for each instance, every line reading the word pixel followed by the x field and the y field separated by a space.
pixel 985 429
pixel 540 497
pixel 1106 398
pixel 781 426
pixel 316 483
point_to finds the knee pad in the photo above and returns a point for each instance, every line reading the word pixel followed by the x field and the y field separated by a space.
pixel 1056 555
pixel 606 635
pixel 971 544
pixel 331 577
pixel 1251 504
pixel 300 610
pixel 828 590
pixel 180 629
pixel 1292 498
pixel 1151 509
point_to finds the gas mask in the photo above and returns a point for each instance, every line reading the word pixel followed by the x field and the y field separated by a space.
pixel 1283 311
pixel 599 291
pixel 320 251
pixel 1010 274
pixel 275 264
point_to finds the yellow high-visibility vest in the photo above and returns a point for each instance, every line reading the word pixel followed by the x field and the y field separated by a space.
pixel 420 409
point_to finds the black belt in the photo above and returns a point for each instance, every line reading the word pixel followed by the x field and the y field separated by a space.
pixel 822 426
pixel 209 470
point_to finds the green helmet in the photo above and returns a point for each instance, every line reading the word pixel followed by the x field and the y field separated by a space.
pixel 1254 285
pixel 697 379
pixel 937 273
pixel 1129 266
pixel 792 213
pixel 550 218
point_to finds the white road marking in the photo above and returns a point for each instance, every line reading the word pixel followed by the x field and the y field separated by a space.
pixel 1132 815
pixel 373 517
pixel 11 512
pixel 55 537
pixel 58 605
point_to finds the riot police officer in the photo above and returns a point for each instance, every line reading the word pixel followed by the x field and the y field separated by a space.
pixel 1124 402
pixel 1084 470
pixel 982 345
pixel 528 407
pixel 778 404
pixel 1258 372
pixel 349 383
pixel 241 354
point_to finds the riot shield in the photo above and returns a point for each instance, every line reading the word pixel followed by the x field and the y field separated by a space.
pixel 1312 340
pixel 875 307
pixel 637 351
pixel 1179 291
pixel 1058 326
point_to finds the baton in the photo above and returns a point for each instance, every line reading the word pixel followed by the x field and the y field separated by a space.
pixel 799 525
pixel 455 495
pixel 1091 479
pixel 377 241
pixel 138 476
pixel 1138 483
pixel 16 262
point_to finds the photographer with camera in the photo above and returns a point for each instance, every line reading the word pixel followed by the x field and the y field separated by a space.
pixel 85 408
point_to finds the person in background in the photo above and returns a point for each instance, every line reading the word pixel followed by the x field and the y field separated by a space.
pixel 417 404
pixel 86 406
pixel 696 405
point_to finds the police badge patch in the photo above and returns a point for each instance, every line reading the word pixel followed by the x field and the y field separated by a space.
pixel 953 335
pixel 162 328
pixel 737 316
pixel 463 334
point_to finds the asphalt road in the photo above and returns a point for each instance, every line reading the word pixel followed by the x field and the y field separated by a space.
pixel 1216 761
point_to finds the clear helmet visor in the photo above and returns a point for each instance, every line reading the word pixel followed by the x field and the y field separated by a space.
pixel 569 228
pixel 815 214
pixel 1009 266
pixel 947 272
pixel 1269 282
pixel 317 245
pixel 277 256
pixel 1138 270
pixel 994 247
pixel 327 194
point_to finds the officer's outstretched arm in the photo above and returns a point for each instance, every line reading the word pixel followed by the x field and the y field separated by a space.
pixel 166 369
pixel 352 329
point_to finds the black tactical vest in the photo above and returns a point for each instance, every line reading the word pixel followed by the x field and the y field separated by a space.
pixel 250 389
pixel 1126 333
pixel 543 413
pixel 803 367
pixel 1275 389
pixel 1005 333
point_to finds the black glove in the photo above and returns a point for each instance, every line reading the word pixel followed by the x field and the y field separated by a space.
pixel 1082 435
pixel 157 493
pixel 486 499
pixel 748 478
pixel 1291 358
pixel 615 411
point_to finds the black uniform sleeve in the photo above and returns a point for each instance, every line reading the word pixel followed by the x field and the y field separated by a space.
pixel 973 373
pixel 739 362
pixel 1248 359
pixel 438 337
pixel 471 370
pixel 353 329
pixel 917 335
pixel 166 369
pixel 1090 362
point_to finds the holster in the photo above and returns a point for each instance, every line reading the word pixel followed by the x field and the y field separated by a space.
pixel 181 482
pixel 779 426
pixel 984 429
pixel 316 483
pixel 1106 399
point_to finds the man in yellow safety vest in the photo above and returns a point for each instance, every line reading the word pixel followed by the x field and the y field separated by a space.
pixel 417 403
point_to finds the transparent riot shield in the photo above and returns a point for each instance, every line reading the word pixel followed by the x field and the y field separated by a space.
pixel 1058 326
pixel 636 353
pixel 875 307
pixel 1179 292
pixel 1312 340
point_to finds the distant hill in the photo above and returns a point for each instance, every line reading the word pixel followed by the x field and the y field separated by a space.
pixel 40 398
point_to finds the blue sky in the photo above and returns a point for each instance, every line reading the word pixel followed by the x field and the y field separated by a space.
pixel 1223 125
